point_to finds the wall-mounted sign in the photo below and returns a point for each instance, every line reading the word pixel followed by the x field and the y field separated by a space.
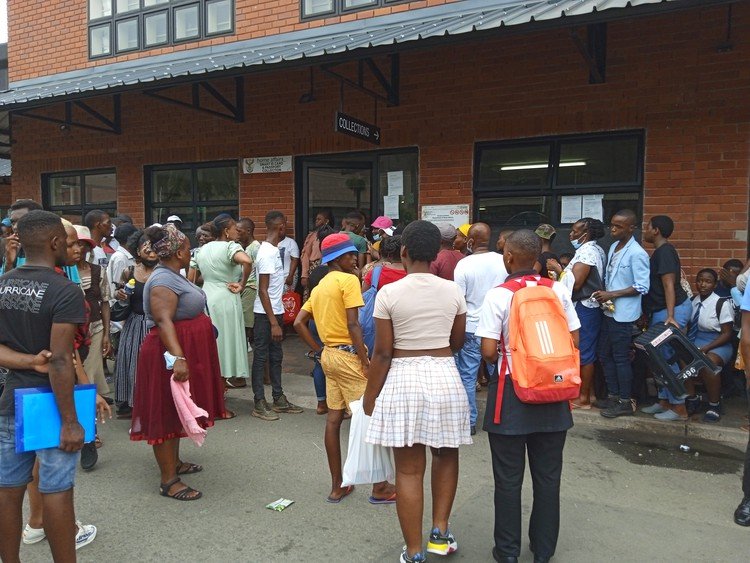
pixel 456 215
pixel 266 164
pixel 357 128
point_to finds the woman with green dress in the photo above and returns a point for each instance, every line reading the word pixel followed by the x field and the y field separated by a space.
pixel 225 268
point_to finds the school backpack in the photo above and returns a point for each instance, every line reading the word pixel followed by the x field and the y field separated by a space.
pixel 366 319
pixel 736 311
pixel 546 363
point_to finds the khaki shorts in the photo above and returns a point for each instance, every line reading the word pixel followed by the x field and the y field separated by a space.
pixel 248 300
pixel 345 380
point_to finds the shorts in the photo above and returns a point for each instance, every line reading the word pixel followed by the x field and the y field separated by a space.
pixel 345 380
pixel 57 469
pixel 248 300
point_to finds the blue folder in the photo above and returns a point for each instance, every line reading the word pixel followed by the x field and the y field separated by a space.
pixel 38 420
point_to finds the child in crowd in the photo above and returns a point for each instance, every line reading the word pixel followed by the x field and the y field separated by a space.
pixel 334 305
pixel 710 329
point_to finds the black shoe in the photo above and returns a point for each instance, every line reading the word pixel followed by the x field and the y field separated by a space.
pixel 693 405
pixel 503 559
pixel 605 403
pixel 473 430
pixel 89 456
pixel 742 514
pixel 538 559
pixel 622 407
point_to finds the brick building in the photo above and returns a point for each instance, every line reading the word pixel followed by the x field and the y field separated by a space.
pixel 527 112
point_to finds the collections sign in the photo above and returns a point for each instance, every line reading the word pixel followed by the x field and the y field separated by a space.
pixel 456 215
pixel 357 128
pixel 267 164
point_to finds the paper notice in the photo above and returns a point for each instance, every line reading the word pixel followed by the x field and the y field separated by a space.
pixel 395 183
pixel 571 209
pixel 390 206
pixel 592 207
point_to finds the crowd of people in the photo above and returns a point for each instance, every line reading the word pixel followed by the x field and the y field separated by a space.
pixel 413 319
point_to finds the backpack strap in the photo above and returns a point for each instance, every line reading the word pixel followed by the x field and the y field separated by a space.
pixel 512 285
pixel 375 278
pixel 720 305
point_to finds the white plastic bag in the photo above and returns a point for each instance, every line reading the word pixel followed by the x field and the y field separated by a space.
pixel 365 463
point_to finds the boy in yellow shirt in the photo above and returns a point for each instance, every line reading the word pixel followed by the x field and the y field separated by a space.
pixel 334 306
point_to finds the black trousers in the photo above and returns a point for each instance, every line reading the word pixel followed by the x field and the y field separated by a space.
pixel 746 474
pixel 545 450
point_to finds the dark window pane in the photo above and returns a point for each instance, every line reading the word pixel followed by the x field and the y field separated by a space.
pixel 101 188
pixel 160 214
pixel 525 166
pixel 217 183
pixel 599 162
pixel 513 212
pixel 171 185
pixel 64 190
pixel 209 213
pixel 395 168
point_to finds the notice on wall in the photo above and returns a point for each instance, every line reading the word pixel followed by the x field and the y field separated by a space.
pixel 390 206
pixel 592 206
pixel 266 164
pixel 456 214
pixel 396 183
pixel 571 209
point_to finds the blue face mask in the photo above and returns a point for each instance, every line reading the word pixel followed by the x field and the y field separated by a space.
pixel 576 243
pixel 376 237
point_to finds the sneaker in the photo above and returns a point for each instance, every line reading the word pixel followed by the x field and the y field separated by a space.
pixel 89 456
pixel 33 535
pixel 85 535
pixel 283 405
pixel 713 414
pixel 418 557
pixel 441 543
pixel 656 408
pixel 262 411
pixel 668 415
pixel 605 403
pixel 623 407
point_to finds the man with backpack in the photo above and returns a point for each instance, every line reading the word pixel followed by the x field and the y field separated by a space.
pixel 334 306
pixel 529 331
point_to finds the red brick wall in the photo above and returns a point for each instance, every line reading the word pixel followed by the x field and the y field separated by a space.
pixel 664 75
pixel 52 36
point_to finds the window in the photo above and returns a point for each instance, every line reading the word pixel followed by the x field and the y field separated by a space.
pixel 195 192
pixel 318 8
pixel 121 26
pixel 73 194
pixel 528 182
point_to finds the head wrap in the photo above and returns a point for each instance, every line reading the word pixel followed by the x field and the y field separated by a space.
pixel 171 243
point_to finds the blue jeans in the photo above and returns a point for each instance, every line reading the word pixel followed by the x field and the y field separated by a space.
pixel 682 313
pixel 319 380
pixel 57 469
pixel 614 354
pixel 467 362
pixel 265 350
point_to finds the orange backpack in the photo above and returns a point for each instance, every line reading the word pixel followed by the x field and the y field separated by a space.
pixel 546 363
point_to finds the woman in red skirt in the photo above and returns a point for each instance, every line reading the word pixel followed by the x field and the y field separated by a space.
pixel 175 309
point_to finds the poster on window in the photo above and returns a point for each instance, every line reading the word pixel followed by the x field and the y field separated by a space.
pixel 455 214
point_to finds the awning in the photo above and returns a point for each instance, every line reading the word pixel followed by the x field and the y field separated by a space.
pixel 451 19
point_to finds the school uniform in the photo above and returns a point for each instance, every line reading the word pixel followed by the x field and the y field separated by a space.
pixel 708 325
pixel 536 429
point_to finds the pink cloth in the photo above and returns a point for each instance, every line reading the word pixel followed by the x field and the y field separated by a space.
pixel 188 411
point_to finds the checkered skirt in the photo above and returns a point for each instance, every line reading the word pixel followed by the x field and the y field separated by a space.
pixel 422 402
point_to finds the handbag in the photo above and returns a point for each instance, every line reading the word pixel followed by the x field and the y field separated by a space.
pixel 120 311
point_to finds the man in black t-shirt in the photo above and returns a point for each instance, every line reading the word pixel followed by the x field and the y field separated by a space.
pixel 39 311
pixel 666 303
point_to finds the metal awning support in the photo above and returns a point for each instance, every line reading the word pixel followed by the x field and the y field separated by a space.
pixel 390 94
pixel 109 125
pixel 594 51
pixel 235 110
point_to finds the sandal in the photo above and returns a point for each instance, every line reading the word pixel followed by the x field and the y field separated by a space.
pixel 182 494
pixel 347 491
pixel 228 415
pixel 98 442
pixel 390 500
pixel 187 468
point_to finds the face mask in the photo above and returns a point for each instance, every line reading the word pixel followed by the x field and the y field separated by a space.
pixel 576 243
pixel 376 237
pixel 469 249
pixel 149 263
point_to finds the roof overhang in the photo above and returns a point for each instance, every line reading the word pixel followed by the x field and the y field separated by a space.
pixel 468 20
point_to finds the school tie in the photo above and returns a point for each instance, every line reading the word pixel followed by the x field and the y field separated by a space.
pixel 693 328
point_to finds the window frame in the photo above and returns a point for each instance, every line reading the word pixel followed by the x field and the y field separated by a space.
pixel 194 202
pixel 552 189
pixel 339 9
pixel 141 14
pixel 84 207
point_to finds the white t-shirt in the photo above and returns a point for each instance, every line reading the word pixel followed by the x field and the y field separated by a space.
pixel 707 320
pixel 476 275
pixel 289 249
pixel 496 313
pixel 98 256
pixel 268 262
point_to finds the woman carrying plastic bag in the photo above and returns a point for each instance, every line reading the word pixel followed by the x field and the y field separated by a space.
pixel 365 463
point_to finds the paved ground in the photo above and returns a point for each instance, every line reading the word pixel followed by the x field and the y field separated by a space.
pixel 628 495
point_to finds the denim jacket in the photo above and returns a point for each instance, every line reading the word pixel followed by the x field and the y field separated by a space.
pixel 631 270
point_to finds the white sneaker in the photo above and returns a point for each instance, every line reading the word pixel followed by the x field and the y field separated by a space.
pixel 85 535
pixel 33 535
